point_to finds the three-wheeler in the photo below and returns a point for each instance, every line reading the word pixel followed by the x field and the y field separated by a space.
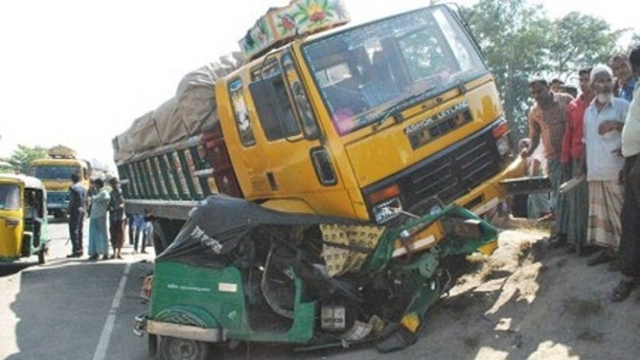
pixel 238 271
pixel 23 218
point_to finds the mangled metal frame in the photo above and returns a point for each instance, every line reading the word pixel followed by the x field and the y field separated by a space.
pixel 233 257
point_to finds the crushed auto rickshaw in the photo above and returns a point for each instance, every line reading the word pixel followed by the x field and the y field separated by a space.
pixel 23 222
pixel 241 272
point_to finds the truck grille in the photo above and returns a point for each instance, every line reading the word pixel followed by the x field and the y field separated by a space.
pixel 448 174
pixel 453 173
pixel 57 197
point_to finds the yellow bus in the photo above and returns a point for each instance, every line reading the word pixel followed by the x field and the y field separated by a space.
pixel 55 173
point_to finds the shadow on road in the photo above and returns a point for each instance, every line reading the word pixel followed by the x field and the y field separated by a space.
pixel 7 269
pixel 61 310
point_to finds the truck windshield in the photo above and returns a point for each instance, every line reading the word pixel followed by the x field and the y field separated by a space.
pixel 361 72
pixel 56 172
pixel 9 197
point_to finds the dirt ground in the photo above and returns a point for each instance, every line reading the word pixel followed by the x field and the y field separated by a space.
pixel 527 301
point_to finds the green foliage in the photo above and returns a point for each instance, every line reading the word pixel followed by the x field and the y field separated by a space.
pixel 5 168
pixel 579 40
pixel 23 156
pixel 519 42
pixel 511 34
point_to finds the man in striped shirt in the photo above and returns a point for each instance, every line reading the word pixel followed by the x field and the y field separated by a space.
pixel 547 123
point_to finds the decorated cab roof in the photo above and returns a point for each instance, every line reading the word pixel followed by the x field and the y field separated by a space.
pixel 282 25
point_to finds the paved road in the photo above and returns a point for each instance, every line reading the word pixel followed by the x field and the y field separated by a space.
pixel 71 308
pixel 77 309
pixel 80 309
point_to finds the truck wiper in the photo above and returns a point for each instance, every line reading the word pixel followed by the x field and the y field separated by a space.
pixel 398 106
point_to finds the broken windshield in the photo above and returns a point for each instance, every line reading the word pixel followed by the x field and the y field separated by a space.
pixel 363 71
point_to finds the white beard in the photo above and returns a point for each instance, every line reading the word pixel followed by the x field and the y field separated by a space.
pixel 604 97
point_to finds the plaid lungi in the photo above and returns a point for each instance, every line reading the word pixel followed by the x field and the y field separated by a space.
pixel 578 214
pixel 605 207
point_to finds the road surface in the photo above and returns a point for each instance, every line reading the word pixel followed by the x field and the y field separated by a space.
pixel 524 302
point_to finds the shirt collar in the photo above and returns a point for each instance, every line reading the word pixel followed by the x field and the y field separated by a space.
pixel 608 104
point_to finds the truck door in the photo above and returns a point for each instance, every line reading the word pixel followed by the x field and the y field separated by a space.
pixel 295 162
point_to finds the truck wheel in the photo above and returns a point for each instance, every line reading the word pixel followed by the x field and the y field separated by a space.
pixel 159 238
pixel 172 348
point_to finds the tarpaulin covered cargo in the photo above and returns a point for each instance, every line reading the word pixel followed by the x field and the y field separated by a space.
pixel 190 112
pixel 219 223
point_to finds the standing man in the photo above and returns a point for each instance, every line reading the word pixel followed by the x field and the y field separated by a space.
pixel 556 85
pixel 116 218
pixel 98 243
pixel 547 122
pixel 626 80
pixel 76 210
pixel 603 122
pixel 571 158
pixel 630 240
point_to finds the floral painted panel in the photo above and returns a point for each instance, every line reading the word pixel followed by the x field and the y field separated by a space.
pixel 300 17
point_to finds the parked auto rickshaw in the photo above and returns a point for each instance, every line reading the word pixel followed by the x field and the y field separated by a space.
pixel 23 222
pixel 241 272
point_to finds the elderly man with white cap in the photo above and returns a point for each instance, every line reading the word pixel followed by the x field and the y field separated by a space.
pixel 603 123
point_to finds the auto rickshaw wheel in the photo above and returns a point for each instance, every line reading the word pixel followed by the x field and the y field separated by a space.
pixel 172 348
pixel 152 344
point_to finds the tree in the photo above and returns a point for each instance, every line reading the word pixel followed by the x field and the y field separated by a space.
pixel 511 34
pixel 23 156
pixel 580 40
pixel 5 167
pixel 520 42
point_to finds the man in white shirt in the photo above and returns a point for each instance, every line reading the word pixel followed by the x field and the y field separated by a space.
pixel 603 122
pixel 630 219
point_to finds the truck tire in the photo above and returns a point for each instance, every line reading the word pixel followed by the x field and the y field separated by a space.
pixel 159 237
pixel 172 348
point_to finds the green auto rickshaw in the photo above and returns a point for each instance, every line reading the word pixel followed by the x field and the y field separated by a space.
pixel 240 272
pixel 23 222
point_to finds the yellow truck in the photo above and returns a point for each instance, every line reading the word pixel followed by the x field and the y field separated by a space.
pixel 364 122
pixel 55 173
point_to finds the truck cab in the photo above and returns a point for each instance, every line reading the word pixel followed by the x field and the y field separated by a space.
pixel 55 173
pixel 369 121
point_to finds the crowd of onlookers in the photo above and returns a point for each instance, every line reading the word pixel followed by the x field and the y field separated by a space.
pixel 107 220
pixel 590 142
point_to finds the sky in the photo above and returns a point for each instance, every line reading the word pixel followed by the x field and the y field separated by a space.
pixel 77 72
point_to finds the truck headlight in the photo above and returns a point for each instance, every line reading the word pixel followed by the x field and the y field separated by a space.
pixel 503 145
pixel 387 210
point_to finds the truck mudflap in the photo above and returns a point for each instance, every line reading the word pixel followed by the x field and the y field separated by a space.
pixel 313 281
